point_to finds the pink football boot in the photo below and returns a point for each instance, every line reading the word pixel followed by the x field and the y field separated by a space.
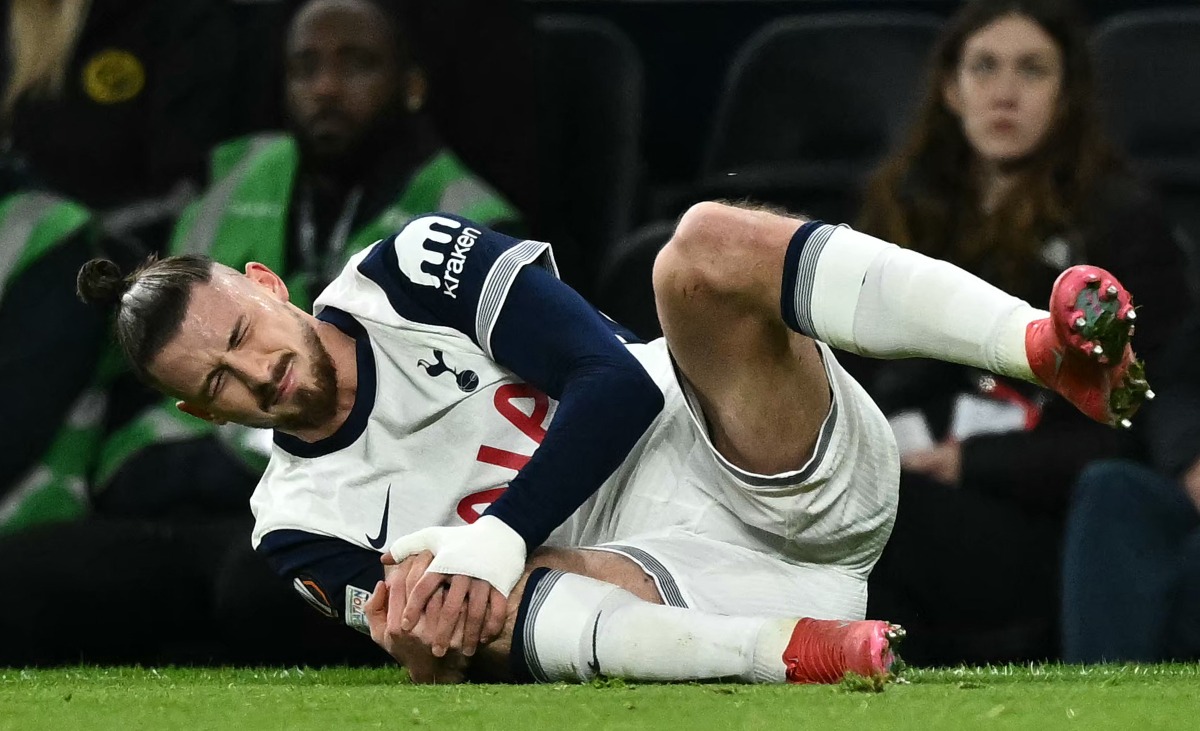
pixel 825 650
pixel 1082 350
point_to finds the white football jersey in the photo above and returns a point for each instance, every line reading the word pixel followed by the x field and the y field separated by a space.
pixel 438 428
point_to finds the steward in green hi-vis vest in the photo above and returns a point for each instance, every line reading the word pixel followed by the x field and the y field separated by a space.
pixel 32 224
pixel 245 216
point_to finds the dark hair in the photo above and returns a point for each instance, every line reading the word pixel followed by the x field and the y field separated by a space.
pixel 150 301
pixel 925 197
pixel 393 11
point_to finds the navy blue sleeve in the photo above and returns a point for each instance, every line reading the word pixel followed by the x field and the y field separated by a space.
pixel 549 336
pixel 333 576
pixel 443 269
pixel 505 295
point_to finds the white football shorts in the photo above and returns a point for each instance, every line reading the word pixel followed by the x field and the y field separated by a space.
pixel 721 539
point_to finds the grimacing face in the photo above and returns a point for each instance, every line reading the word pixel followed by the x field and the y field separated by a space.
pixel 1007 88
pixel 244 354
pixel 341 73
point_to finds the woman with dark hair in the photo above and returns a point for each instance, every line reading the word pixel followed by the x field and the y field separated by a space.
pixel 1006 174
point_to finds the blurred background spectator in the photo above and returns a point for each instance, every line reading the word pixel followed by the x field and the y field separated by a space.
pixel 1007 174
pixel 1131 558
pixel 591 124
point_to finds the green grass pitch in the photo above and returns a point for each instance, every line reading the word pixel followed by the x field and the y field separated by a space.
pixel 1050 697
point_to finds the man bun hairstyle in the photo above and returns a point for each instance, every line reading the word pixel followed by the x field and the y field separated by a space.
pixel 100 283
pixel 149 302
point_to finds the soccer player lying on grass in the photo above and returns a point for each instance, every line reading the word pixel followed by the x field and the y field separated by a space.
pixel 734 462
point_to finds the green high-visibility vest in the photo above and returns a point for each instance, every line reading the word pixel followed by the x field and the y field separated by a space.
pixel 55 488
pixel 243 217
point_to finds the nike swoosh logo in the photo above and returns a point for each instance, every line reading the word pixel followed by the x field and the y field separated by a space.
pixel 378 541
pixel 594 663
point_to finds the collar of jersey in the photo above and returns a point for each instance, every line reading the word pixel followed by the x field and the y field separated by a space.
pixel 364 397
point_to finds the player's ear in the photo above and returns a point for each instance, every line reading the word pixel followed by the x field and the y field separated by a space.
pixel 262 275
pixel 199 413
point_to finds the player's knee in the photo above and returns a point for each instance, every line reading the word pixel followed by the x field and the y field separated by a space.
pixel 707 230
pixel 702 218
pixel 696 258
pixel 721 250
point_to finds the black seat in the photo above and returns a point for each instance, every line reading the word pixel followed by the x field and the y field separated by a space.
pixel 624 290
pixel 590 119
pixel 260 28
pixel 811 103
pixel 1145 61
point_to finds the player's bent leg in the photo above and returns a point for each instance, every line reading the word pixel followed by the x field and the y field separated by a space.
pixel 801 451
pixel 726 266
pixel 576 628
pixel 762 389
pixel 870 297
pixel 570 627
pixel 567 626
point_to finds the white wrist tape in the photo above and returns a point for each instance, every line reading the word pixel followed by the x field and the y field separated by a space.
pixel 486 549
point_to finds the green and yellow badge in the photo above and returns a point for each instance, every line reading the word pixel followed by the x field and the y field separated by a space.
pixel 113 76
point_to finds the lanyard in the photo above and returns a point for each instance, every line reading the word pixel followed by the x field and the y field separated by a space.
pixel 318 271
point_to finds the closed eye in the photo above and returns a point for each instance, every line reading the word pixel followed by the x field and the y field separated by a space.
pixel 215 380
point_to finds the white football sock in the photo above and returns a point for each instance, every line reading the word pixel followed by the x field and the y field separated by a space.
pixel 575 628
pixel 864 295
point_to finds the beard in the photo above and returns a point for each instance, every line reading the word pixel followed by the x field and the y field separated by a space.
pixel 348 158
pixel 313 406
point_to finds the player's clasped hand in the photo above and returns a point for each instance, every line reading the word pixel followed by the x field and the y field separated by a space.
pixel 410 649
pixel 477 565
pixel 471 611
pixel 459 613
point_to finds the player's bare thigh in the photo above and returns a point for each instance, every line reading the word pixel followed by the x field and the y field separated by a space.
pixel 717 284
